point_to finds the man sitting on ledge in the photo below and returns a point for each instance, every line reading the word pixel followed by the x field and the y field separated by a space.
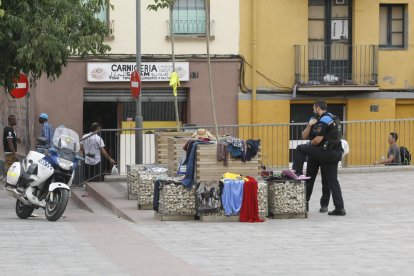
pixel 393 155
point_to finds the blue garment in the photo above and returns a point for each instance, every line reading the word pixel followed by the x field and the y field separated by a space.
pixel 47 132
pixel 232 196
pixel 188 180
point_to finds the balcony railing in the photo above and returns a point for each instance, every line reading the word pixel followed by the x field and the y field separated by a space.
pixel 189 28
pixel 338 64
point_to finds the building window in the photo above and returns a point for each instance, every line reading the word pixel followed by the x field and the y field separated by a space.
pixel 189 17
pixel 392 26
pixel 103 15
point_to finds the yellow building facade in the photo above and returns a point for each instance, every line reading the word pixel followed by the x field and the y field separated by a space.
pixel 356 55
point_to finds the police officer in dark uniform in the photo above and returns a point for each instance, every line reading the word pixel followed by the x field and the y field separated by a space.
pixel 313 167
pixel 326 148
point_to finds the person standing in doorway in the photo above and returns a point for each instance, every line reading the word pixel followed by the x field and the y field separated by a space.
pixel 326 148
pixel 93 147
pixel 393 155
pixel 10 141
pixel 47 130
pixel 313 165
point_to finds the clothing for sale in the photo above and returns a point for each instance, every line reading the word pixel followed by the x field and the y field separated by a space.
pixel 188 180
pixel 222 153
pixel 229 175
pixel 250 206
pixel 235 146
pixel 188 147
pixel 232 196
pixel 208 197
pixel 252 147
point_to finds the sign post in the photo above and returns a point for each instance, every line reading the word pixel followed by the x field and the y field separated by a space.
pixel 22 86
pixel 138 112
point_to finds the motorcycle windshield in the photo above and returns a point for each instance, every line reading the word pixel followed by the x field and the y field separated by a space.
pixel 66 138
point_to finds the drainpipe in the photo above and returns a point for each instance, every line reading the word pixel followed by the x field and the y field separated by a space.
pixel 254 60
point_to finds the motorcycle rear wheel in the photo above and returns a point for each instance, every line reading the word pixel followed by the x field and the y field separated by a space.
pixel 23 211
pixel 54 210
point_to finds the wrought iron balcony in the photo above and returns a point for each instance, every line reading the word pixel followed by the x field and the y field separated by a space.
pixel 336 65
pixel 190 28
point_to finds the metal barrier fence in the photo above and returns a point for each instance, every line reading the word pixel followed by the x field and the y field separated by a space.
pixel 367 141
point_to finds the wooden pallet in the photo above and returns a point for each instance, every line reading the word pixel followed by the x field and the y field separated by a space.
pixel 208 168
pixel 288 216
pixel 161 145
pixel 175 153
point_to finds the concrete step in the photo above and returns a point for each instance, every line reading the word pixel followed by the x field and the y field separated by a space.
pixel 115 178
pixel 112 196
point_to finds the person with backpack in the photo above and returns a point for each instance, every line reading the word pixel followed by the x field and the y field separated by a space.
pixel 325 147
pixel 393 155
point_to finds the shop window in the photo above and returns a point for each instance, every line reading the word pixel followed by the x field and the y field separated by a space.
pixel 392 26
pixel 189 17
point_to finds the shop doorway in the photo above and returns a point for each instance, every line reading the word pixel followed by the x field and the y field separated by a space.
pixel 104 113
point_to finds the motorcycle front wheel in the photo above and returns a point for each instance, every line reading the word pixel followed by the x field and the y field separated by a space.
pixel 54 209
pixel 23 211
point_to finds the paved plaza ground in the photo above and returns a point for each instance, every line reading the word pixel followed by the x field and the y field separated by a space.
pixel 376 237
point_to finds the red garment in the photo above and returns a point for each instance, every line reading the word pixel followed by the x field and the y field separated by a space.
pixel 249 211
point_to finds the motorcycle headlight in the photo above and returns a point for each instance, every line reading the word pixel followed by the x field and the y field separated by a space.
pixel 65 164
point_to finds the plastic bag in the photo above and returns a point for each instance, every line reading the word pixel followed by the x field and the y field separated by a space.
pixel 114 170
pixel 345 147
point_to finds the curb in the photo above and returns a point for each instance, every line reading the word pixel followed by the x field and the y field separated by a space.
pixel 78 200
pixel 375 169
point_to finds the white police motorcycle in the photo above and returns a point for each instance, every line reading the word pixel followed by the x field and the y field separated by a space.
pixel 43 178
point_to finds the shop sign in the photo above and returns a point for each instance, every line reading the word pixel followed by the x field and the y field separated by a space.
pixel 121 71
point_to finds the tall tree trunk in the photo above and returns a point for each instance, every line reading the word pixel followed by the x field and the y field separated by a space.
pixel 206 6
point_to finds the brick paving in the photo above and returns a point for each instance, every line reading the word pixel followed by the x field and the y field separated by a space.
pixel 375 238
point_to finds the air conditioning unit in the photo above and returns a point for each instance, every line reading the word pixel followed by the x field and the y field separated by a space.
pixel 340 2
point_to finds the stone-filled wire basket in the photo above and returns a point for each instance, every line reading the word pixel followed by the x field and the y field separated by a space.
pixel 287 199
pixel 177 200
pixel 262 198
pixel 140 183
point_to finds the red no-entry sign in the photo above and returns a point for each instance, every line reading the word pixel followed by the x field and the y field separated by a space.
pixel 135 84
pixel 22 86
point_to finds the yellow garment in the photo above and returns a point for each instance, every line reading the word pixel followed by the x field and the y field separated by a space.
pixel 231 175
pixel 234 176
pixel 174 82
